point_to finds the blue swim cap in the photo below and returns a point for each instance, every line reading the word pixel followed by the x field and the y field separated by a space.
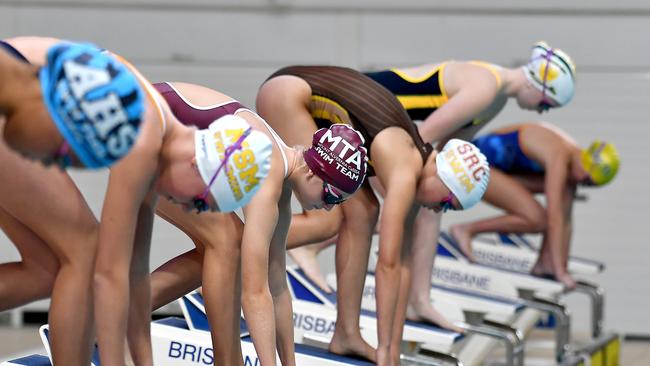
pixel 94 100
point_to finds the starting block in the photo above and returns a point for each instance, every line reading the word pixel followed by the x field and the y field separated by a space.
pixel 314 314
pixel 515 252
pixel 453 269
pixel 178 341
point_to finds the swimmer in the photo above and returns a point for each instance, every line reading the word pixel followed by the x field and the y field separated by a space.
pixel 244 256
pixel 298 100
pixel 538 158
pixel 167 159
pixel 57 241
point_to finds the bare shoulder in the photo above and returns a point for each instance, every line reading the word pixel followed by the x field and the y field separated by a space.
pixel 33 48
pixel 150 138
pixel 543 142
pixel 509 128
pixel 558 132
pixel 393 150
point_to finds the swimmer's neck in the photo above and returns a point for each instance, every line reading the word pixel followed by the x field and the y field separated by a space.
pixel 19 84
pixel 513 80
pixel 177 146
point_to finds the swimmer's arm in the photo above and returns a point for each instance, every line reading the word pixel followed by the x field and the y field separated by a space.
pixel 397 173
pixel 462 108
pixel 278 282
pixel 555 184
pixel 130 182
pixel 139 319
pixel 398 201
pixel 261 216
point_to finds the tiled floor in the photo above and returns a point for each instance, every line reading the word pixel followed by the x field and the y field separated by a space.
pixel 14 342
pixel 636 353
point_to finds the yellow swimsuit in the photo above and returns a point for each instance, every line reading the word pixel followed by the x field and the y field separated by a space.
pixel 421 96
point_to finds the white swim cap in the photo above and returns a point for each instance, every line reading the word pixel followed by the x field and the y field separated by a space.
pixel 464 170
pixel 554 66
pixel 246 166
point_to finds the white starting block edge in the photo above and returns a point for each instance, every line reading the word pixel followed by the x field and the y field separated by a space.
pixel 453 270
pixel 196 321
pixel 477 347
pixel 174 344
pixel 522 258
pixel 576 264
pixel 310 300
pixel 502 309
pixel 314 313
pixel 313 320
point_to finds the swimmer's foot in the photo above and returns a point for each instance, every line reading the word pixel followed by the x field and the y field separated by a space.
pixel 464 239
pixel 426 313
pixel 565 278
pixel 352 346
pixel 305 258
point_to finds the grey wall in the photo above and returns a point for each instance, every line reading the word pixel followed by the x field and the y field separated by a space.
pixel 233 45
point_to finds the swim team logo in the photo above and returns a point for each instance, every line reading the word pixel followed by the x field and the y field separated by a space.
pixel 466 164
pixel 349 159
pixel 548 73
pixel 100 117
pixel 242 168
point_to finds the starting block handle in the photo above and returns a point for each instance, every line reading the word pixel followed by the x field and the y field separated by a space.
pixel 506 328
pixel 432 358
pixel 511 338
pixel 597 297
pixel 563 328
pixel 548 303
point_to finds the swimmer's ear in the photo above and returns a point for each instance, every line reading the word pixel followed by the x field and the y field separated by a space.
pixel 310 174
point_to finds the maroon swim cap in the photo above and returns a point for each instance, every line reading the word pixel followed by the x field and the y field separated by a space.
pixel 338 157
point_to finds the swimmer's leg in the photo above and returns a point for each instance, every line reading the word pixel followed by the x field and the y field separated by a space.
pixel 33 277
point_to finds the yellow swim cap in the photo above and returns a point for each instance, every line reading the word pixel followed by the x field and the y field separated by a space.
pixel 601 161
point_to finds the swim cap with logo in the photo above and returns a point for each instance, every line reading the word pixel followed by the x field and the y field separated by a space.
pixel 94 101
pixel 245 168
pixel 556 67
pixel 338 157
pixel 601 161
pixel 464 170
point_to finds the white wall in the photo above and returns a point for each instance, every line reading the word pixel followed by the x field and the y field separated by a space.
pixel 233 45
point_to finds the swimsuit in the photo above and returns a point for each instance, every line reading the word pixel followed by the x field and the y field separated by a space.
pixel 504 152
pixel 423 95
pixel 343 95
pixel 192 115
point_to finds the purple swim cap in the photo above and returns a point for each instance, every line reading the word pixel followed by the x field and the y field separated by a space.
pixel 338 157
